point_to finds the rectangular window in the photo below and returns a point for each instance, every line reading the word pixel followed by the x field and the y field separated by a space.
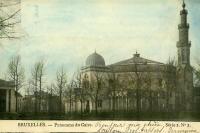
pixel 99 103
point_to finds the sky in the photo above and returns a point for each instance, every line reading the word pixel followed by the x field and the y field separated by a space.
pixel 65 32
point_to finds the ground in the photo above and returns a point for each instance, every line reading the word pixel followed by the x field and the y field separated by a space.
pixel 144 116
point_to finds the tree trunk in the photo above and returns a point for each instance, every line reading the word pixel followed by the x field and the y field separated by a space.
pixel 138 103
pixel 17 83
pixel 50 102
pixel 40 95
pixel 16 99
pixel 60 103
pixel 113 103
pixel 114 99
pixel 96 102
pixel 151 104
pixel 81 108
pixel 70 106
pixel 127 107
pixel 36 105
pixel 36 97
pixel 75 103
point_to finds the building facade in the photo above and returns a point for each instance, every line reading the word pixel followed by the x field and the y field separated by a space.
pixel 7 97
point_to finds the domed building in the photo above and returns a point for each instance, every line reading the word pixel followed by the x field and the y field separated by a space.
pixel 95 60
pixel 94 63
pixel 114 87
pixel 137 83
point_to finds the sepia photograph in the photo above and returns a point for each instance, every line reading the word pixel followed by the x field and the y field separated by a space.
pixel 100 60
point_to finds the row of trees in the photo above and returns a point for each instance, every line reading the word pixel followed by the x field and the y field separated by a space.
pixel 79 88
pixel 137 86
pixel 36 84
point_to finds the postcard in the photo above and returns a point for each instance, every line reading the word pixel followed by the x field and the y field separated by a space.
pixel 105 66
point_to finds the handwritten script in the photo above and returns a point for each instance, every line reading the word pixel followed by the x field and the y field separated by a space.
pixel 145 127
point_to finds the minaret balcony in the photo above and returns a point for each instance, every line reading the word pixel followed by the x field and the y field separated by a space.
pixel 182 26
pixel 184 11
pixel 183 44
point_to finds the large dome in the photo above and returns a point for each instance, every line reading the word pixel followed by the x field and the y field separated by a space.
pixel 95 60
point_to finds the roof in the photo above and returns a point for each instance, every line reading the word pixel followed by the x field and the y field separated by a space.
pixel 6 84
pixel 95 59
pixel 136 59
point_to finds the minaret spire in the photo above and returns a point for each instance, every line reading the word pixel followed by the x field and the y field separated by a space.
pixel 183 5
pixel 136 54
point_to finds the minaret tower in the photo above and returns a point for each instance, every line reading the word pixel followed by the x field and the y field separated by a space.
pixel 183 44
pixel 184 70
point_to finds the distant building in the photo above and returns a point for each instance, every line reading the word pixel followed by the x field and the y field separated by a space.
pixel 49 103
pixel 139 84
pixel 28 103
pixel 19 102
pixel 38 102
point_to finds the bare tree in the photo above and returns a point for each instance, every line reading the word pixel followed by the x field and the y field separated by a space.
pixel 75 91
pixel 9 18
pixel 37 75
pixel 169 80
pixel 61 85
pixel 27 105
pixel 136 79
pixel 72 95
pixel 196 91
pixel 41 75
pixel 86 91
pixel 16 74
pixel 79 92
pixel 51 92
pixel 69 94
pixel 197 75
pixel 113 81
pixel 97 87
pixel 147 89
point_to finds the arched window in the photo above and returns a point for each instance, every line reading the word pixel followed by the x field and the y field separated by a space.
pixel 86 76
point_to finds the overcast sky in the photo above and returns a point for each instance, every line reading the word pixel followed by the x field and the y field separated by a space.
pixel 65 32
